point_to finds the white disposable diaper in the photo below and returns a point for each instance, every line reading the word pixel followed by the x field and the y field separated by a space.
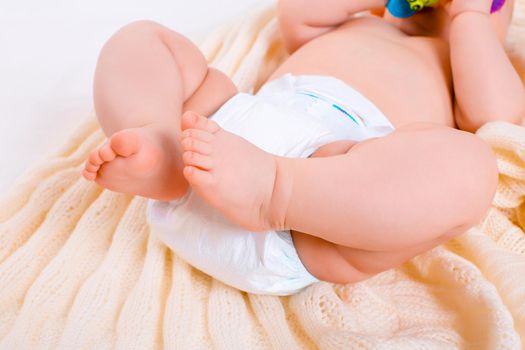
pixel 292 117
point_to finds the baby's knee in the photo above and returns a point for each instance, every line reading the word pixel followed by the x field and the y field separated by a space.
pixel 143 33
pixel 149 36
pixel 461 166
pixel 473 173
pixel 143 27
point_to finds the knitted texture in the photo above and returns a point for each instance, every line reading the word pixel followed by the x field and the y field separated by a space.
pixel 79 270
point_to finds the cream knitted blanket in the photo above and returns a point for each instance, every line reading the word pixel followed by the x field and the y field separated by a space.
pixel 79 270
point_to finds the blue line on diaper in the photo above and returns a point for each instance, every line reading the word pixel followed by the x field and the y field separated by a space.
pixel 345 112
pixel 339 108
pixel 308 94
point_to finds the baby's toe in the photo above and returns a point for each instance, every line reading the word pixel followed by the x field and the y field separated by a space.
pixel 197 160
pixel 192 120
pixel 197 177
pixel 208 125
pixel 125 143
pixel 188 120
pixel 106 153
pixel 93 168
pixel 196 145
pixel 94 158
pixel 197 134
pixel 88 175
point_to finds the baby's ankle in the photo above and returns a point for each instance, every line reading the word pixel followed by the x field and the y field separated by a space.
pixel 276 214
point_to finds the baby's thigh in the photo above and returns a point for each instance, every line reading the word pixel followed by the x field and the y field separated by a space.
pixel 339 264
pixel 324 261
pixel 373 262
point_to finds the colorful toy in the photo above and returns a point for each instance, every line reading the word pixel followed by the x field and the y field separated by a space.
pixel 406 8
pixel 496 5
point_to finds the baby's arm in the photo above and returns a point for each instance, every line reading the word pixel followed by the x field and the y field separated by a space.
pixel 486 85
pixel 303 20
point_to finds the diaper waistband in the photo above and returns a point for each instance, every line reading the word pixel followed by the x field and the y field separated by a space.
pixel 330 95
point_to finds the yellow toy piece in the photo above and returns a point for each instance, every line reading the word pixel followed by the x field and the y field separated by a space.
pixel 417 5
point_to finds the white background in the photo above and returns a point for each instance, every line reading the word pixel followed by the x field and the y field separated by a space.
pixel 48 52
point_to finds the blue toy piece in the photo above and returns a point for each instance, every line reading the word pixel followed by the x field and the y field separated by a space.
pixel 406 8
pixel 400 8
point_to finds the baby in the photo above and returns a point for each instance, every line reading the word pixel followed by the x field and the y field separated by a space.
pixel 309 179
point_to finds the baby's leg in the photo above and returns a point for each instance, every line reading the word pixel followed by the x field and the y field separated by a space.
pixel 146 75
pixel 418 184
pixel 339 264
pixel 335 263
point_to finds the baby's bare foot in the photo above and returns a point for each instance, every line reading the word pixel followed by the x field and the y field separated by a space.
pixel 229 173
pixel 142 161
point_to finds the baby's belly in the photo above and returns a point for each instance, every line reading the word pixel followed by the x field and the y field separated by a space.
pixel 408 78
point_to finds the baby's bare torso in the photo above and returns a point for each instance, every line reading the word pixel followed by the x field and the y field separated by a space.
pixel 407 77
